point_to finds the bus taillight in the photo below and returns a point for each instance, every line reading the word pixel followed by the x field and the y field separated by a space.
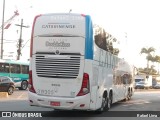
pixel 83 15
pixel 85 85
pixel 30 83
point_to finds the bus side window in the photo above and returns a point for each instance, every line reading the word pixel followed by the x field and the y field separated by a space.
pixel 1 67
pixel 126 79
pixel 4 67
pixel 130 79
pixel 15 68
pixel 100 38
pixel 25 69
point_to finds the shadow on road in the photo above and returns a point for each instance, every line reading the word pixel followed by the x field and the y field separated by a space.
pixel 63 113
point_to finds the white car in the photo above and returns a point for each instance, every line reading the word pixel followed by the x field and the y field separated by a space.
pixel 157 86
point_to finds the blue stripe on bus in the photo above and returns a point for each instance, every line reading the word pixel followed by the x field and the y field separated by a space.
pixel 19 79
pixel 89 39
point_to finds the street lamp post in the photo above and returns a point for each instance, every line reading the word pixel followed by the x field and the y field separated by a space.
pixel 20 39
pixel 2 29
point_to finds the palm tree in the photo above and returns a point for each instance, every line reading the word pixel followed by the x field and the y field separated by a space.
pixel 157 59
pixel 153 59
pixel 148 51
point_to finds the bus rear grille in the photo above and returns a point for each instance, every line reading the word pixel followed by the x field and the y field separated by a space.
pixel 57 67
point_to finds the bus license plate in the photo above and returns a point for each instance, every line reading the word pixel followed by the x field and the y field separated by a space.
pixel 53 103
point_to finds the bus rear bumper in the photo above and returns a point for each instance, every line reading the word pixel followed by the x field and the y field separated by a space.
pixel 63 103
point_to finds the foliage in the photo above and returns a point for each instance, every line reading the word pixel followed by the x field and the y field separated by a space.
pixel 148 51
pixel 150 57
pixel 150 71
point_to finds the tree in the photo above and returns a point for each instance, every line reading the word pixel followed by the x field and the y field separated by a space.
pixel 148 51
pixel 100 38
pixel 157 60
pixel 116 51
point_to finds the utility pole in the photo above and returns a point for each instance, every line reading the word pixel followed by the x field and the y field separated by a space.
pixel 20 39
pixel 2 29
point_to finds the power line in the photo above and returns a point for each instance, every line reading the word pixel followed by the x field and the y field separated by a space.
pixel 8 40
pixel 25 44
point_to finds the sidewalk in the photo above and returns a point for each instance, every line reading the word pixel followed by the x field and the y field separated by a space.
pixel 145 90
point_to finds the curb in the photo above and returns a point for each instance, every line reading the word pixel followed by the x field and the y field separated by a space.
pixel 139 90
pixel 3 94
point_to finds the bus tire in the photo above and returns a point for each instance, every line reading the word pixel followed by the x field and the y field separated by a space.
pixel 109 102
pixel 24 85
pixel 103 106
pixel 128 95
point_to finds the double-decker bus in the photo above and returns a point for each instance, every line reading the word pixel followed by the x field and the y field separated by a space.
pixel 17 70
pixel 73 66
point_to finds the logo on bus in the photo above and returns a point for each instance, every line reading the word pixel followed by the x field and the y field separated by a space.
pixel 57 44
pixel 58 26
pixel 57 52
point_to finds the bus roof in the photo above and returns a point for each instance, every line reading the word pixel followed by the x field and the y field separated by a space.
pixel 74 14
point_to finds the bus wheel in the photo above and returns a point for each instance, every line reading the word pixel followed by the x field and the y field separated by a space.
pixel 103 106
pixel 24 85
pixel 109 102
pixel 129 95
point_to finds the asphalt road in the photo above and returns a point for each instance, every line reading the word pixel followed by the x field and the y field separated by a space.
pixel 141 101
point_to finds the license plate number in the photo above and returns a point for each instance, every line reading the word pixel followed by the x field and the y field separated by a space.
pixel 53 103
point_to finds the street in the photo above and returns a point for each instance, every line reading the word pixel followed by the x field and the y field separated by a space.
pixel 142 100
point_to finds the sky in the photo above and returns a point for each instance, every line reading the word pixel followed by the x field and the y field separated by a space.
pixel 135 23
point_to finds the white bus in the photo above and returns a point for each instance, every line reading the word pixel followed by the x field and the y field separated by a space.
pixel 74 67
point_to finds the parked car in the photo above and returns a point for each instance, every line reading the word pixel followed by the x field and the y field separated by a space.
pixel 6 85
pixel 139 85
pixel 157 86
pixel 154 82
